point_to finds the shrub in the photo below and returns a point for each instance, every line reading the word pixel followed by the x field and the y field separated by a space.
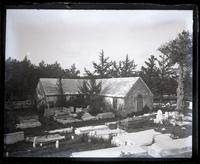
pixel 145 109
pixel 84 138
pixel 96 104
pixel 80 114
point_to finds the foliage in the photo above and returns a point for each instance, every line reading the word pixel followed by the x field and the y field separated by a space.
pixel 179 51
pixel 73 72
pixel 91 89
pixel 115 71
pixel 145 110
pixel 167 76
pixel 150 74
pixel 101 69
pixel 61 98
pixel 21 77
pixel 126 68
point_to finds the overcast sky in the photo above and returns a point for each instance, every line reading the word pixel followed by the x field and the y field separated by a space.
pixel 77 36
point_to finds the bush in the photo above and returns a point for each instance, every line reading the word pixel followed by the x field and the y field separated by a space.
pixel 96 104
pixel 80 114
pixel 145 109
pixel 84 138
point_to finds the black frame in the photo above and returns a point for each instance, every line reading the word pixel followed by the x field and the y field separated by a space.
pixel 110 6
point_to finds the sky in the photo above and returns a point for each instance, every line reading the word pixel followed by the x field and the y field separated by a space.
pixel 77 36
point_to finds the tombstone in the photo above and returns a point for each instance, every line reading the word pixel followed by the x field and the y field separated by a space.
pixel 159 117
pixel 173 115
pixel 7 154
pixel 166 115
pixel 34 142
pixel 57 144
pixel 72 137
pixel 163 129
pixel 159 112
pixel 41 144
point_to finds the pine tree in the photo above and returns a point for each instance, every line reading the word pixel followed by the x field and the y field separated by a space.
pixel 128 68
pixel 72 71
pixel 150 74
pixel 61 98
pixel 91 89
pixel 115 70
pixel 166 76
pixel 89 73
pixel 103 67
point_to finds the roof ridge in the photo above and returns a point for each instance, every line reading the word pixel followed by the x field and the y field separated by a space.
pixel 89 78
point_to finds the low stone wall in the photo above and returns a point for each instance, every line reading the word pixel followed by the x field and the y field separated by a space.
pixel 12 138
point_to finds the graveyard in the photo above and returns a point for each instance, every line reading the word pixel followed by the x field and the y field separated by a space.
pixel 75 87
pixel 103 135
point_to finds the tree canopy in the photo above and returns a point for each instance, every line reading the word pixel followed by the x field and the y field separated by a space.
pixel 150 75
pixel 179 52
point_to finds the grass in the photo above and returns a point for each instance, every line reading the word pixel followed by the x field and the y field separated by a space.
pixel 176 131
pixel 25 149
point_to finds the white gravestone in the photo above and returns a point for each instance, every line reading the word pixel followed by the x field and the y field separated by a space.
pixel 57 144
pixel 34 142
pixel 159 117
pixel 166 115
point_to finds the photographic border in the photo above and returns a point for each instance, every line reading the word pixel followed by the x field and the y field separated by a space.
pixel 109 6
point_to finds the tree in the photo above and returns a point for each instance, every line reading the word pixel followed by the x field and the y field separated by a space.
pixel 179 51
pixel 167 82
pixel 72 71
pixel 115 71
pixel 20 79
pixel 124 68
pixel 103 68
pixel 150 74
pixel 61 98
pixel 128 68
pixel 89 73
pixel 91 89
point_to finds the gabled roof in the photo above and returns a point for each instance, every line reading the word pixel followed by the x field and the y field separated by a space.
pixel 117 87
pixel 112 87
